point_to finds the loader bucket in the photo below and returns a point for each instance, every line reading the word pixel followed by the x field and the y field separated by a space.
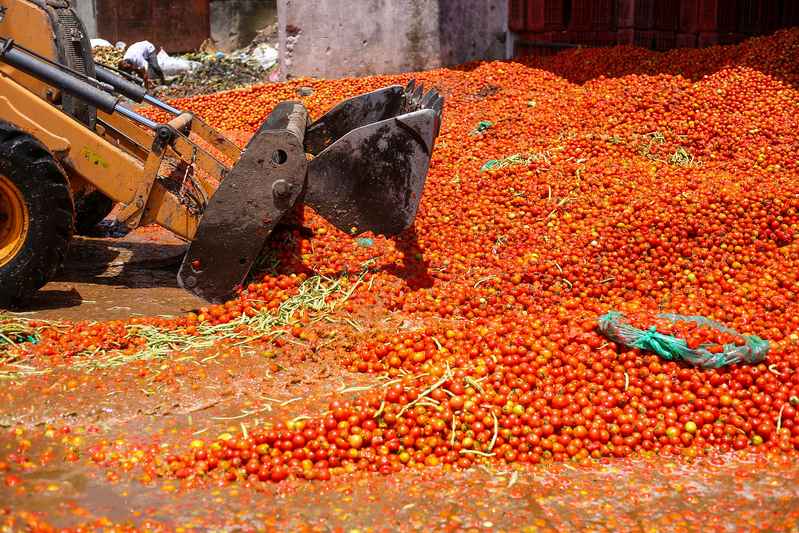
pixel 262 186
pixel 367 109
pixel 369 158
pixel 372 157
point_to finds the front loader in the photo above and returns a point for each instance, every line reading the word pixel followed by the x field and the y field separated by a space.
pixel 66 133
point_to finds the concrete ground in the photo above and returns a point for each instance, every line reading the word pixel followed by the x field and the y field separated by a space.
pixel 107 277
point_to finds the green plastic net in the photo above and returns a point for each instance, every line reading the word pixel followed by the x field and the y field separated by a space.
pixel 615 327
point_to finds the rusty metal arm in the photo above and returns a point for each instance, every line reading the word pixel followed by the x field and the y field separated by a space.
pixel 208 164
pixel 216 139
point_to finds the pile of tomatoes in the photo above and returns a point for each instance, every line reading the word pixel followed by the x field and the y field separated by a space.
pixel 660 183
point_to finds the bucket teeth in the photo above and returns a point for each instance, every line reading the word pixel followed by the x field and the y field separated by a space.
pixel 429 98
pixel 417 95
pixel 416 99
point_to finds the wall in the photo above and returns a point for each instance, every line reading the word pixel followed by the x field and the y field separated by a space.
pixel 473 29
pixel 87 11
pixel 337 38
pixel 175 25
pixel 545 26
pixel 234 23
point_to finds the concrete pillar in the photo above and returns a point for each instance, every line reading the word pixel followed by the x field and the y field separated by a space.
pixel 337 38
pixel 234 23
pixel 473 29
pixel 87 11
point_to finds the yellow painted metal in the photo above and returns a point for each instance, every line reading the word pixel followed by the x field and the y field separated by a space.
pixel 132 213
pixel 165 209
pixel 105 165
pixel 30 26
pixel 14 111
pixel 112 158
pixel 125 132
pixel 14 220
pixel 124 142
pixel 181 122
pixel 110 169
pixel 121 131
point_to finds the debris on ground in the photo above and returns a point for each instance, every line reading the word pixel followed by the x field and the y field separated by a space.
pixel 207 70
pixel 694 339
pixel 213 73
pixel 109 56
pixel 100 43
pixel 176 66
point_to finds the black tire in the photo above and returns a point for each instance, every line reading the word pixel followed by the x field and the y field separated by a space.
pixel 44 190
pixel 90 210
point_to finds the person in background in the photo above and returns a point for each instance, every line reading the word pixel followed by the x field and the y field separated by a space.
pixel 142 59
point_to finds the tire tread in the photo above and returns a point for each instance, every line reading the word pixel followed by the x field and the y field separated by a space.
pixel 48 240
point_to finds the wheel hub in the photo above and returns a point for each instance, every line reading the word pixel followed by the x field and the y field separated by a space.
pixel 14 220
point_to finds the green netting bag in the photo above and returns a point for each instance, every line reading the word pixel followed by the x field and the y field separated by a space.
pixel 614 327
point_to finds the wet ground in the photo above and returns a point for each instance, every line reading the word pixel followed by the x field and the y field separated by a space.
pixel 198 398
pixel 555 499
pixel 51 423
pixel 744 493
pixel 107 277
